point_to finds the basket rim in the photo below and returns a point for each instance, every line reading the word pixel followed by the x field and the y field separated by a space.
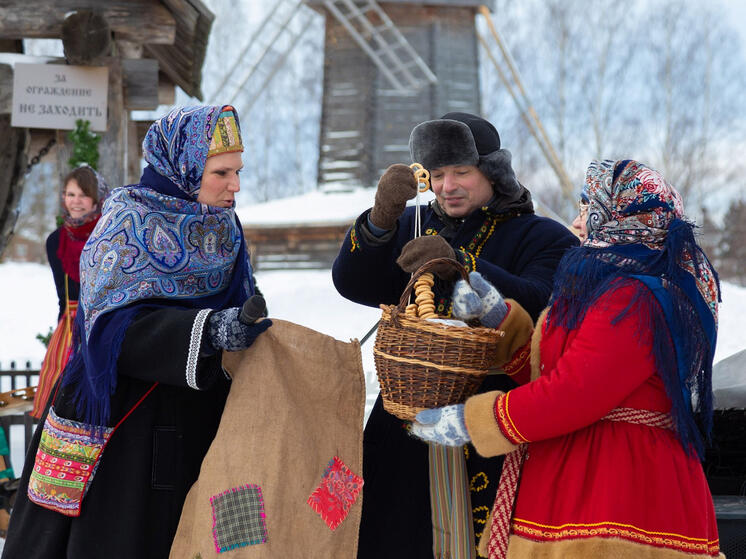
pixel 393 314
pixel 425 268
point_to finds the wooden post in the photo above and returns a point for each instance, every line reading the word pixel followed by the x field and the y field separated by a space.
pixel 111 148
pixel 111 163
pixel 13 145
pixel 134 151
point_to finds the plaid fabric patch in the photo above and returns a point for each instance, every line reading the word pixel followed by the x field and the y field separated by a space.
pixel 238 518
pixel 337 492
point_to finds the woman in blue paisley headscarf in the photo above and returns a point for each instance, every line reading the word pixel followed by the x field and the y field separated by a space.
pixel 163 278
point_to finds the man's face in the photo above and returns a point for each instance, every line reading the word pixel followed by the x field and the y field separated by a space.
pixel 460 189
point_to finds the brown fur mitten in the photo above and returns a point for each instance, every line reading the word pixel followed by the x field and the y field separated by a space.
pixel 396 186
pixel 424 249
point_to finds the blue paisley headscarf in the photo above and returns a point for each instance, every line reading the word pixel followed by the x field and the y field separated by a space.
pixel 154 246
pixel 637 234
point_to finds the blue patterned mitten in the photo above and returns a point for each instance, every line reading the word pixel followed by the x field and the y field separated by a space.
pixel 467 304
pixel 480 300
pixel 494 307
pixel 225 331
pixel 445 426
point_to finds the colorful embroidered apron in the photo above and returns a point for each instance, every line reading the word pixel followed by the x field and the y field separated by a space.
pixel 66 460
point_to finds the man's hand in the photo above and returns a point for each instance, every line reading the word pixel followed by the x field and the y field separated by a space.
pixel 396 186
pixel 424 249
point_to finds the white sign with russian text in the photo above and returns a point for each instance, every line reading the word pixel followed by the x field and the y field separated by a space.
pixel 56 95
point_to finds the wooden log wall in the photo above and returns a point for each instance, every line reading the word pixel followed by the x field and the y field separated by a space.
pixel 294 247
pixel 365 125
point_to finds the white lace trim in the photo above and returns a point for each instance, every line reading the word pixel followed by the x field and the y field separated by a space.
pixel 195 344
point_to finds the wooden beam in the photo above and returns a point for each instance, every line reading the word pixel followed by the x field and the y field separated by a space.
pixel 112 146
pixel 166 90
pixel 86 37
pixel 140 21
pixel 13 146
pixel 6 88
pixel 140 82
pixel 182 62
pixel 134 153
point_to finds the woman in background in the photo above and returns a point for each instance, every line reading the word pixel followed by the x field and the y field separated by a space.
pixel 83 194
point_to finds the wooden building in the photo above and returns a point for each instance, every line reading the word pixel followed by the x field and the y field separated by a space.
pixel 365 123
pixel 148 46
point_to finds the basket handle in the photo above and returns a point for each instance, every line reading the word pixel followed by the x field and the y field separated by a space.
pixel 426 267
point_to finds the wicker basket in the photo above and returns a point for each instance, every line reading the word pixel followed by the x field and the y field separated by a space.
pixel 421 364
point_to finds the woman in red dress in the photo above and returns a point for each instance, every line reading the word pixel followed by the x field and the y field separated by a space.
pixel 83 194
pixel 604 436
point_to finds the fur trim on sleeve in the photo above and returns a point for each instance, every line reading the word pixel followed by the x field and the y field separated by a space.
pixel 484 431
pixel 536 345
pixel 517 326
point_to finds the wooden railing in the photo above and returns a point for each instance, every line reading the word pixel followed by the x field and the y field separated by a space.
pixel 18 414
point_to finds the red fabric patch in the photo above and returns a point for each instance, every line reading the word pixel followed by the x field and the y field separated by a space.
pixel 337 492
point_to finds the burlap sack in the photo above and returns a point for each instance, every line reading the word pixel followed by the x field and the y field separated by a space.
pixel 296 402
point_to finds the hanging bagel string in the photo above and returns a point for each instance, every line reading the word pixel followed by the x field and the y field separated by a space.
pixel 424 304
pixel 422 176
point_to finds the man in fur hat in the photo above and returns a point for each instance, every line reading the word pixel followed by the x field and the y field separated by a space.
pixel 483 217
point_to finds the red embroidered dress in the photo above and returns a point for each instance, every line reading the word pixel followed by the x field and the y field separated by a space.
pixel 591 487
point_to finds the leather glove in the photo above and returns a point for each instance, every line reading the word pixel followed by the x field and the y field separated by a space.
pixel 480 300
pixel 396 186
pixel 445 426
pixel 424 249
pixel 225 330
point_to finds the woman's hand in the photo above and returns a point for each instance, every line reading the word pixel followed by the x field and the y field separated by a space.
pixel 480 300
pixel 445 426
pixel 225 330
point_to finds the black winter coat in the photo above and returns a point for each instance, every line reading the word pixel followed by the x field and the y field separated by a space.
pixel 517 253
pixel 134 503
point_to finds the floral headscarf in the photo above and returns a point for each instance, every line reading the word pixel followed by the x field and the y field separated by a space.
pixel 632 204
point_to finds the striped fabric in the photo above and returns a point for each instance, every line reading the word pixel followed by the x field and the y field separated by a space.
pixel 55 359
pixel 450 503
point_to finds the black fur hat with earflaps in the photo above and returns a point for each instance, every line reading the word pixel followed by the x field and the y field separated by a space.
pixel 464 139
